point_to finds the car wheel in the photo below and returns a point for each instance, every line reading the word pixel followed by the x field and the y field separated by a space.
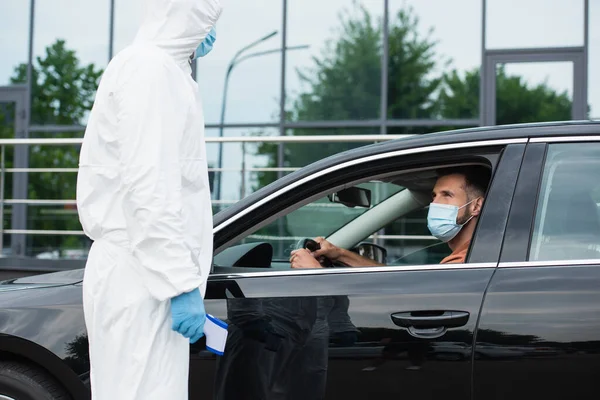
pixel 25 382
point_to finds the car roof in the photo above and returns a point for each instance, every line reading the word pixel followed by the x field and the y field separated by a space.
pixel 484 133
pixel 499 132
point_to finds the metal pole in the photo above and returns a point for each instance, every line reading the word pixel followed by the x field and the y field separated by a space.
pixel 243 185
pixel 224 102
pixel 586 43
pixel 30 56
pixel 384 89
pixel 385 67
pixel 482 69
pixel 229 69
pixel 21 153
pixel 2 175
pixel 233 64
pixel 225 90
pixel 220 156
pixel 111 30
pixel 280 150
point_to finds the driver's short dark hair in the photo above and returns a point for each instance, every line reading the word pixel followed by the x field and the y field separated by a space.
pixel 477 178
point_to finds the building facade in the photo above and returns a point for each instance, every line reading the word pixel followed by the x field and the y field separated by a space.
pixel 288 67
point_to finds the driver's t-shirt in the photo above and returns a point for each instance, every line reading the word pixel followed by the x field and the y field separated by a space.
pixel 459 255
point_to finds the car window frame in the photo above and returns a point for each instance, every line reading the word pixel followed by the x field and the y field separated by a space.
pixel 523 208
pixel 520 229
pixel 490 150
pixel 489 234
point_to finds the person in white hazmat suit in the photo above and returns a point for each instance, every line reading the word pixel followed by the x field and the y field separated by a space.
pixel 143 197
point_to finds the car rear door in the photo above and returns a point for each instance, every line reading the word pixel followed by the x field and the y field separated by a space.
pixel 539 330
pixel 355 333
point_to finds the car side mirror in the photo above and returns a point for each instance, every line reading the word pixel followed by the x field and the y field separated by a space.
pixel 372 251
pixel 352 197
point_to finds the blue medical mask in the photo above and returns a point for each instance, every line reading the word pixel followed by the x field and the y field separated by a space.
pixel 206 45
pixel 441 220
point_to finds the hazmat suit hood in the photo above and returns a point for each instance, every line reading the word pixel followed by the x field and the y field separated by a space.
pixel 178 26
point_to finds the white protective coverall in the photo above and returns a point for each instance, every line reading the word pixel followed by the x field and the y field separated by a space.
pixel 143 197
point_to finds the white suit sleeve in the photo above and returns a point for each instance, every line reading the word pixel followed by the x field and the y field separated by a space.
pixel 152 116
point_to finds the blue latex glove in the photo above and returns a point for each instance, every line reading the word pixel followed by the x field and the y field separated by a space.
pixel 207 44
pixel 189 315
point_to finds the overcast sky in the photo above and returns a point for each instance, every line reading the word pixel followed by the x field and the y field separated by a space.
pixel 255 84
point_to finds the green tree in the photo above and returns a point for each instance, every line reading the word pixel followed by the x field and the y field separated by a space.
pixel 412 78
pixel 516 101
pixel 62 93
pixel 345 84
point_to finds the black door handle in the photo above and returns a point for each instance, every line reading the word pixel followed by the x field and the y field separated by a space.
pixel 430 319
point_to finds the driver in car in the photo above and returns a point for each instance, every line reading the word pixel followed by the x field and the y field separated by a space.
pixel 457 200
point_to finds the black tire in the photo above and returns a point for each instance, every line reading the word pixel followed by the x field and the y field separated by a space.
pixel 19 381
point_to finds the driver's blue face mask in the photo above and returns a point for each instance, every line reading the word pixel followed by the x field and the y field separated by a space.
pixel 206 45
pixel 441 220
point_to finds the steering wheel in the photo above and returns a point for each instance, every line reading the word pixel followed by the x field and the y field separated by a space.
pixel 313 246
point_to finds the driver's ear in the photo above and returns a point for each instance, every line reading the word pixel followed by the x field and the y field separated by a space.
pixel 477 206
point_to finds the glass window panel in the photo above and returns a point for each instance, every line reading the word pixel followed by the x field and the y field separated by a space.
pixel 534 23
pixel 302 154
pixel 254 83
pixel 296 155
pixel 65 45
pixel 567 225
pixel 339 76
pixel 451 31
pixel 532 92
pixel 594 60
pixel 45 185
pixel 238 174
pixel 69 20
pixel 14 40
pixel 55 246
pixel 128 16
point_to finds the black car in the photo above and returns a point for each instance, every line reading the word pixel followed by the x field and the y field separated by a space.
pixel 520 319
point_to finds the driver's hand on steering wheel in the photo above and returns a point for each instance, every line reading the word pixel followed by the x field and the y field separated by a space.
pixel 327 250
pixel 302 258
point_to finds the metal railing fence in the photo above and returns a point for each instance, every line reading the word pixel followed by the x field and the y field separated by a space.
pixel 4 143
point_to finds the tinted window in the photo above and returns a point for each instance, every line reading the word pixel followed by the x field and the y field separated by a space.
pixel 567 225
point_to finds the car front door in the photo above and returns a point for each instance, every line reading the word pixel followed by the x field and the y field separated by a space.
pixel 383 332
pixel 539 335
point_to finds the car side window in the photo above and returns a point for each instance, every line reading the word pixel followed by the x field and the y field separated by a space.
pixel 567 224
pixel 319 218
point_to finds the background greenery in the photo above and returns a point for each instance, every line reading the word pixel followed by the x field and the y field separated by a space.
pixel 343 84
